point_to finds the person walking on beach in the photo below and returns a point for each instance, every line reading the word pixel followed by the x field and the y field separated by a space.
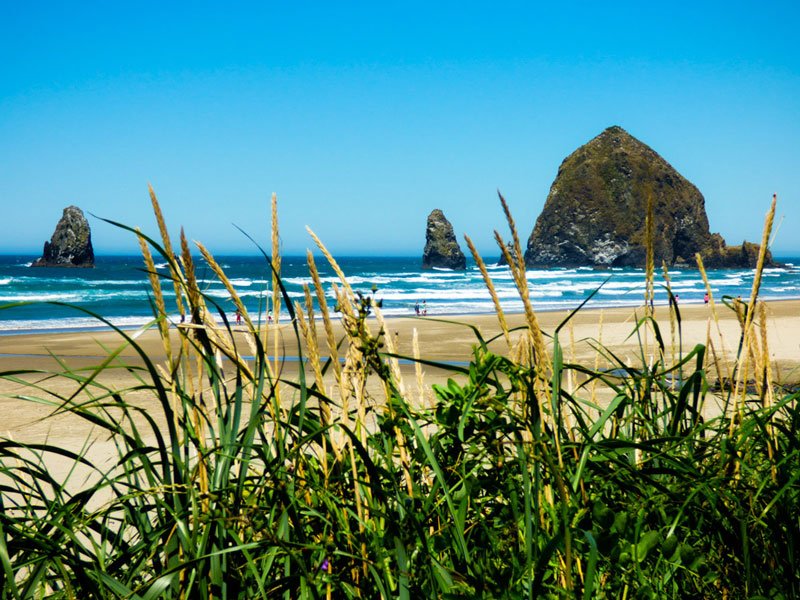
pixel 416 308
pixel 705 298
pixel 424 308
pixel 238 317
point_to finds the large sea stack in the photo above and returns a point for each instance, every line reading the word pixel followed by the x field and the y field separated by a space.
pixel 441 247
pixel 596 210
pixel 71 244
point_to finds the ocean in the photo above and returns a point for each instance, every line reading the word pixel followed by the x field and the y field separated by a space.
pixel 118 290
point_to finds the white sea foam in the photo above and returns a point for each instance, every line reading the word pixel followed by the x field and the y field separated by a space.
pixel 34 297
pixel 236 282
pixel 687 285
pixel 400 285
pixel 612 287
pixel 430 294
pixel 63 282
pixel 455 294
pixel 244 282
pixel 70 323
pixel 384 280
pixel 114 282
pixel 557 274
pixel 369 280
pixel 615 292
pixel 423 278
pixel 241 282
pixel 121 295
pixel 728 281
pixel 223 293
pixel 85 323
pixel 298 280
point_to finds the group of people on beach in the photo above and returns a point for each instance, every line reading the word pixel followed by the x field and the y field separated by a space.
pixel 423 311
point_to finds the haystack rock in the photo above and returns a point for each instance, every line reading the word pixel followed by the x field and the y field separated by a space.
pixel 441 247
pixel 595 212
pixel 71 244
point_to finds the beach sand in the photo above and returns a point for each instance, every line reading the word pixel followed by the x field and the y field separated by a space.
pixel 439 340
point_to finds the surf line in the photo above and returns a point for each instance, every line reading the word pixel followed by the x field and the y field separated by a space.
pixel 288 358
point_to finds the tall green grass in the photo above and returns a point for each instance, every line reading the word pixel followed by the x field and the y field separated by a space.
pixel 339 482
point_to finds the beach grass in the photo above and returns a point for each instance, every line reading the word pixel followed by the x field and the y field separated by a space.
pixel 524 474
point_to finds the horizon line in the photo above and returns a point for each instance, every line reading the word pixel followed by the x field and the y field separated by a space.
pixel 5 253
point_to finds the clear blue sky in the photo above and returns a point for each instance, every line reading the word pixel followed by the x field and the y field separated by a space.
pixel 363 117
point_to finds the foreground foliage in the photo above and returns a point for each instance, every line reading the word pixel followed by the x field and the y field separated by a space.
pixel 516 481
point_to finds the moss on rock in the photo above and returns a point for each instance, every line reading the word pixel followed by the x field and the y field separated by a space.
pixel 595 212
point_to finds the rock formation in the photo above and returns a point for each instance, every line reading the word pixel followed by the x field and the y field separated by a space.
pixel 71 244
pixel 595 212
pixel 502 261
pixel 441 247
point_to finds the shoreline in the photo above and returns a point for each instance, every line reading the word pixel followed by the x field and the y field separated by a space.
pixel 448 337
pixel 456 316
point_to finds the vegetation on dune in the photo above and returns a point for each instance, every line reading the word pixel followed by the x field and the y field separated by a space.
pixel 515 482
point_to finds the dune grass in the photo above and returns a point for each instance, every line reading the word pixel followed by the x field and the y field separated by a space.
pixel 516 482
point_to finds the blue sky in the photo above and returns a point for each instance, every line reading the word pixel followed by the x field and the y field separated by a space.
pixel 363 118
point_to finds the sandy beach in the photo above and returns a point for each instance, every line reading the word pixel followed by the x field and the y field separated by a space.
pixel 440 340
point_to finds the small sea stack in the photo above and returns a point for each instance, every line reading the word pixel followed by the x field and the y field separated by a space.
pixel 441 248
pixel 503 262
pixel 71 243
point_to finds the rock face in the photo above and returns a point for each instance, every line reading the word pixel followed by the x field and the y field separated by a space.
pixel 503 262
pixel 441 247
pixel 71 244
pixel 595 212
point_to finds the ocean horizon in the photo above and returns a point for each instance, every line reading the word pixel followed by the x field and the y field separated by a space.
pixel 34 300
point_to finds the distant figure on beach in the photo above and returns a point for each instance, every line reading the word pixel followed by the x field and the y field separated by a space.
pixel 424 308
pixel 416 308
pixel 269 317
pixel 677 297
pixel 705 298
pixel 238 317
